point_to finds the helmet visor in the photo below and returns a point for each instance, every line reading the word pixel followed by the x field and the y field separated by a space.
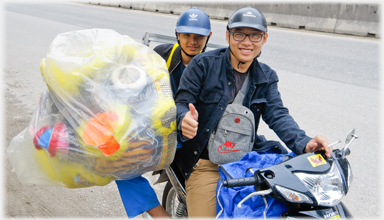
pixel 247 25
pixel 193 30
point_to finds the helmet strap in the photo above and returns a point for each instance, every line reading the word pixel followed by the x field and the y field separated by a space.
pixel 205 47
pixel 184 50
pixel 240 62
pixel 178 41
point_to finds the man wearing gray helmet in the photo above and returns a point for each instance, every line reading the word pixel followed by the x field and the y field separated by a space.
pixel 211 82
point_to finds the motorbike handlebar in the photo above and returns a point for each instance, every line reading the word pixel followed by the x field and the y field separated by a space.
pixel 246 181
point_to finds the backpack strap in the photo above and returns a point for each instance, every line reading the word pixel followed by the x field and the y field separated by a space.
pixel 170 56
pixel 244 89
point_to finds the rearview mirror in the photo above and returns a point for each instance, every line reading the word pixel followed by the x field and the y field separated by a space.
pixel 350 136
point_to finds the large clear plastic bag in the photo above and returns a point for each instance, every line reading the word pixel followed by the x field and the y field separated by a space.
pixel 107 113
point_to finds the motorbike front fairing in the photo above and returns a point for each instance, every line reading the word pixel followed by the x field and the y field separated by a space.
pixel 311 184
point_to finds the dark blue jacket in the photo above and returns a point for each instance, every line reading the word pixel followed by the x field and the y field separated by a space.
pixel 164 50
pixel 207 83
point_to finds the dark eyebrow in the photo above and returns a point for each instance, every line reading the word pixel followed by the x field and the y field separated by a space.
pixel 241 29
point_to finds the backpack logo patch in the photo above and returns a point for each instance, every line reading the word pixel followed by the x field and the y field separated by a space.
pixel 227 147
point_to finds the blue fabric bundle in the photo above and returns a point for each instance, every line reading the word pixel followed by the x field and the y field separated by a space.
pixel 228 198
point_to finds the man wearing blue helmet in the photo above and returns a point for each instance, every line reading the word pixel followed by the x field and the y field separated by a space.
pixel 209 84
pixel 193 30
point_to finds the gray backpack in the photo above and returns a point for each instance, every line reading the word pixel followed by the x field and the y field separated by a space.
pixel 235 132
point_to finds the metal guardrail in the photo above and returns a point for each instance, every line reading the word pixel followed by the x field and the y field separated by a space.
pixel 148 37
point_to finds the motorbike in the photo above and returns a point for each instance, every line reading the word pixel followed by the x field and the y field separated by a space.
pixel 311 185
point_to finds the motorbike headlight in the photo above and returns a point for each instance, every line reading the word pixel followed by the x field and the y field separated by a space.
pixel 326 188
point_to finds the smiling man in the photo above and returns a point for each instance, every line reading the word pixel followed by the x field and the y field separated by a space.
pixel 193 30
pixel 209 84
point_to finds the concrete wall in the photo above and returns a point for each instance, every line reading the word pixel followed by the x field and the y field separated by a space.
pixel 360 19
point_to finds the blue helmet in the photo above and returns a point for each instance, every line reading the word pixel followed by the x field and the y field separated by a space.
pixel 194 21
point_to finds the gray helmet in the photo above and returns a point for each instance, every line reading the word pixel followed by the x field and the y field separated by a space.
pixel 248 17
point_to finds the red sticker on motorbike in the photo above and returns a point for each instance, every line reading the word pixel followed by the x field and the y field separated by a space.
pixel 317 160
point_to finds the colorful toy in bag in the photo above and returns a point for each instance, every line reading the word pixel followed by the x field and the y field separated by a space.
pixel 107 113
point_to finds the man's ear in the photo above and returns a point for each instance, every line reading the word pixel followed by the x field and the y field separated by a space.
pixel 227 36
pixel 265 38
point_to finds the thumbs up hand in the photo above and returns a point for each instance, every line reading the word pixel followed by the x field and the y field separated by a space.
pixel 189 123
pixel 193 111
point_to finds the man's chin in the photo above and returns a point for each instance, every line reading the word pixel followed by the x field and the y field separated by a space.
pixel 194 53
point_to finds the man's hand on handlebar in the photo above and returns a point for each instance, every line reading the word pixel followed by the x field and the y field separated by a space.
pixel 319 143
